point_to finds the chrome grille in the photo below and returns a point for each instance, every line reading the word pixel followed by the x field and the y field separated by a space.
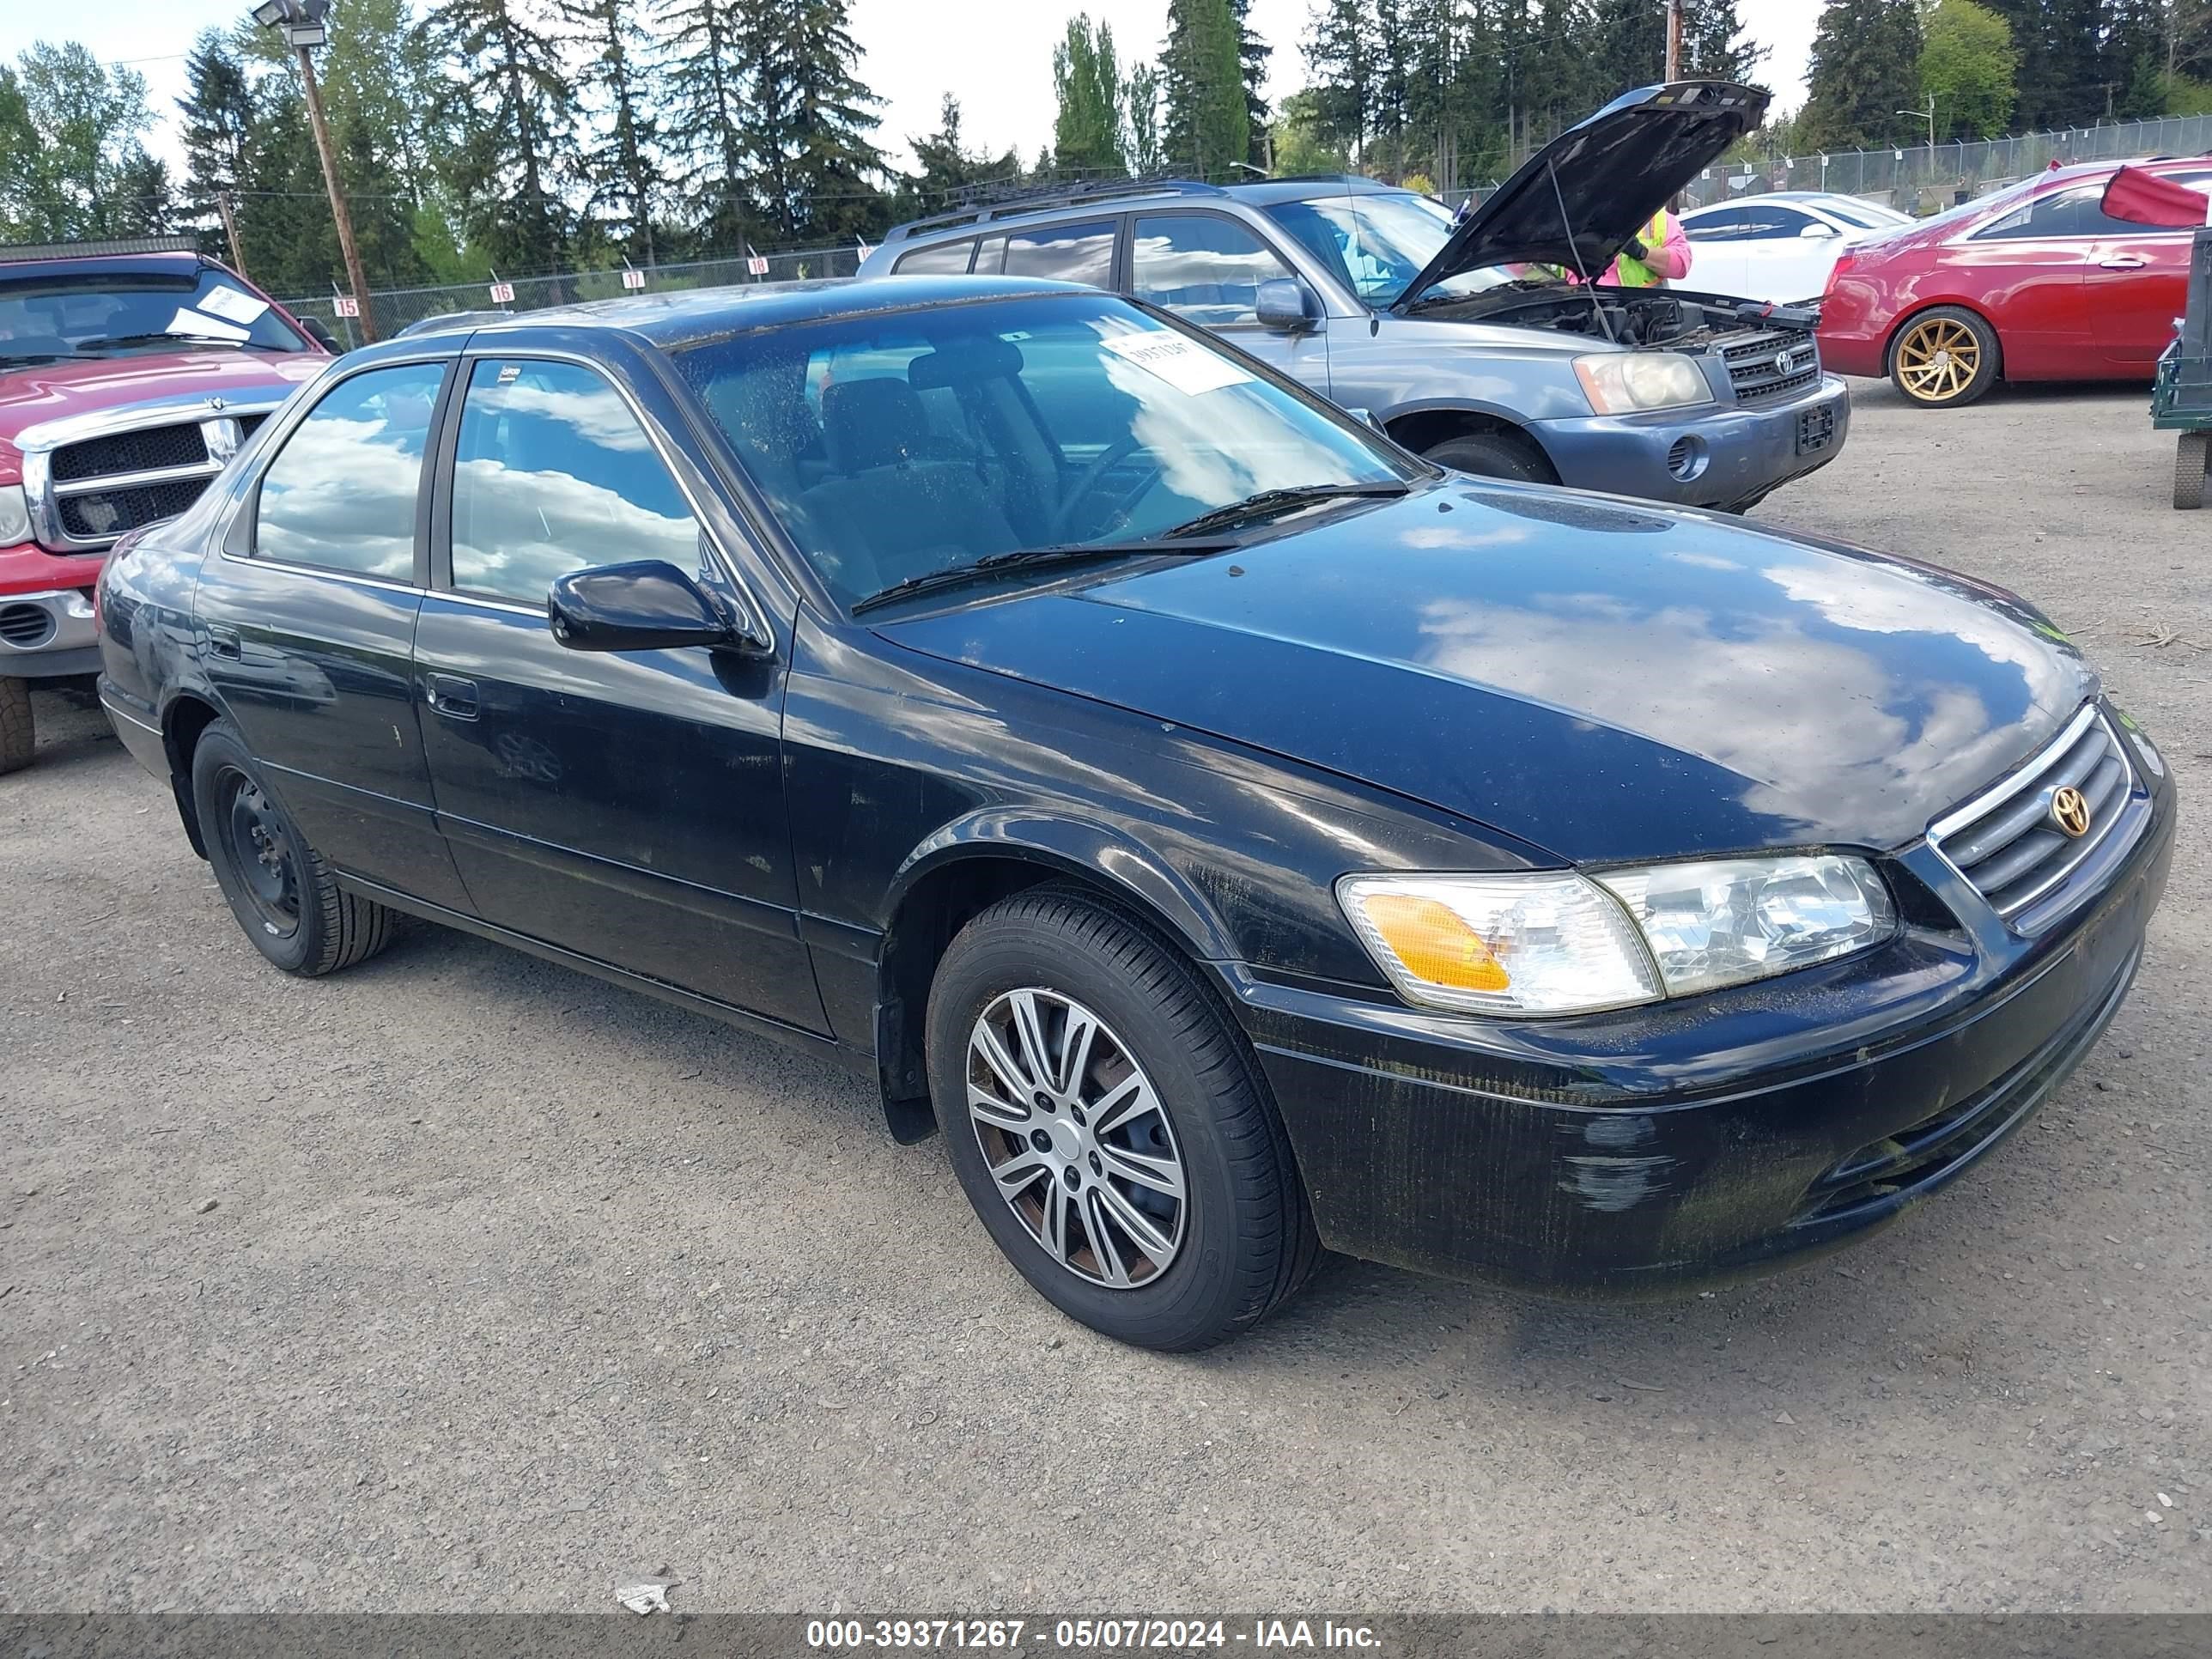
pixel 2008 843
pixel 148 450
pixel 1755 368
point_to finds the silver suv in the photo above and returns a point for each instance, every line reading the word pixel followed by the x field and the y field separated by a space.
pixel 1485 344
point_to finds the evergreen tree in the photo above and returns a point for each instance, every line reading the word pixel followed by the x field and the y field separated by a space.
pixel 1393 67
pixel 1086 137
pixel 616 167
pixel 2062 74
pixel 217 124
pixel 2135 45
pixel 949 173
pixel 1866 58
pixel 19 151
pixel 1253 53
pixel 511 105
pixel 806 123
pixel 286 235
pixel 1202 86
pixel 1340 51
pixel 702 118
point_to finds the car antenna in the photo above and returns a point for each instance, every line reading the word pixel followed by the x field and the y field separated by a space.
pixel 1552 172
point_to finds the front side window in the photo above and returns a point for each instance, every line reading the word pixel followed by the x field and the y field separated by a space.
pixel 552 473
pixel 2076 212
pixel 341 493
pixel 1721 224
pixel 1201 266
pixel 947 258
pixel 1376 242
pixel 896 446
pixel 1071 253
pixel 1774 222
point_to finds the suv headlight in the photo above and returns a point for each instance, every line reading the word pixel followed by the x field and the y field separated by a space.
pixel 1556 942
pixel 1623 382
pixel 15 516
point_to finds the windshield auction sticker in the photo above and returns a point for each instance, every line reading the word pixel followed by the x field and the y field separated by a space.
pixel 231 305
pixel 1183 364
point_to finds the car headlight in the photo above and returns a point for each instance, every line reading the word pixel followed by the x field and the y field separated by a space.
pixel 1622 382
pixel 1556 942
pixel 15 516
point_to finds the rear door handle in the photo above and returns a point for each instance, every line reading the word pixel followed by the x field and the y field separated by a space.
pixel 223 643
pixel 453 696
pixel 2124 262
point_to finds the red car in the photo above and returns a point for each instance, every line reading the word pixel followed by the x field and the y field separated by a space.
pixel 129 374
pixel 2032 283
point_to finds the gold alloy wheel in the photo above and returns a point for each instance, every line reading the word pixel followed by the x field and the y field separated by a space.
pixel 1937 359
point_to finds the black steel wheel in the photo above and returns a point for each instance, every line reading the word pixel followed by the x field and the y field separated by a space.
pixel 1110 1126
pixel 274 881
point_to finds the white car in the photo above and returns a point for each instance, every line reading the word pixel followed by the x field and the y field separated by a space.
pixel 1778 248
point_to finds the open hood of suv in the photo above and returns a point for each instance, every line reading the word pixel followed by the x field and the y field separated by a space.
pixel 1603 177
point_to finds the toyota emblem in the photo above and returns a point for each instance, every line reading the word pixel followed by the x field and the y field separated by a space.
pixel 1784 361
pixel 2069 810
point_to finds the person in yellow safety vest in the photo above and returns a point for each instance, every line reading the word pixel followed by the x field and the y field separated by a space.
pixel 1655 256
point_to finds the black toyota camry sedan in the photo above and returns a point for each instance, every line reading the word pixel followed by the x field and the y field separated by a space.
pixel 1236 835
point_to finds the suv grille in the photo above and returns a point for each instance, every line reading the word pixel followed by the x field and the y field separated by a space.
pixel 107 514
pixel 1772 363
pixel 2008 843
pixel 147 451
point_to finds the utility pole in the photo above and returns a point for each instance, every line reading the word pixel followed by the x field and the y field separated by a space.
pixel 1674 40
pixel 230 233
pixel 1928 115
pixel 302 23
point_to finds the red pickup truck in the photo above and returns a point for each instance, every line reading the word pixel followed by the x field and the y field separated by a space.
pixel 129 374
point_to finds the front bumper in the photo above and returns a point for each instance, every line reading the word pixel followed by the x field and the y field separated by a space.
pixel 1711 456
pixel 1684 1143
pixel 47 635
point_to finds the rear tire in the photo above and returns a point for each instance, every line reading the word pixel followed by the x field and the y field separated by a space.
pixel 19 730
pixel 1220 1231
pixel 277 886
pixel 1493 455
pixel 1946 357
pixel 2190 457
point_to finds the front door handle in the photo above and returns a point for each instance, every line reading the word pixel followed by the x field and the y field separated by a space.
pixel 223 643
pixel 453 696
pixel 2124 262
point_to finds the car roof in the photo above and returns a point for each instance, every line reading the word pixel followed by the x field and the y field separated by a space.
pixel 58 261
pixel 1090 201
pixel 687 316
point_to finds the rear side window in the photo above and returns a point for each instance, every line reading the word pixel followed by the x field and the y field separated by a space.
pixel 947 258
pixel 1202 266
pixel 341 493
pixel 1772 221
pixel 1073 253
pixel 1721 225
pixel 2076 212
pixel 552 473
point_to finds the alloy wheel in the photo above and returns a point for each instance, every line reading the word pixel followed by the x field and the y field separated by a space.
pixel 1937 359
pixel 1077 1140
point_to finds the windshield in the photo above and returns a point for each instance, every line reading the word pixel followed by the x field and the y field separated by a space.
pixel 1377 242
pixel 1852 214
pixel 896 446
pixel 97 314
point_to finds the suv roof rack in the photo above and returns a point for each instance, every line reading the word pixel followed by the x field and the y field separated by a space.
pixel 1037 198
pixel 98 250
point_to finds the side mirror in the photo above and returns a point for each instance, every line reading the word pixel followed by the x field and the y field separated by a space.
pixel 1817 232
pixel 320 332
pixel 648 605
pixel 1286 305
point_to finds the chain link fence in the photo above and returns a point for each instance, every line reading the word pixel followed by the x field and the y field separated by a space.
pixel 397 309
pixel 1922 179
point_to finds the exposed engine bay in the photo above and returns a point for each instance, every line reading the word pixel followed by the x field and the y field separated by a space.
pixel 1657 318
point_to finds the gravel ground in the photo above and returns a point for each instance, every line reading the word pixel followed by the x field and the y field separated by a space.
pixel 513 1282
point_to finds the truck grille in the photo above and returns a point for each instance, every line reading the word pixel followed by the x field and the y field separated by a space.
pixel 148 451
pixel 2014 842
pixel 104 515
pixel 1772 363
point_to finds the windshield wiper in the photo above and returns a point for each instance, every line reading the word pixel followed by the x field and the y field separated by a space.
pixel 1174 543
pixel 1268 502
pixel 160 337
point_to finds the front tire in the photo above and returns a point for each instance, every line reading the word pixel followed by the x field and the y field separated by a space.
pixel 1493 455
pixel 19 729
pixel 1945 358
pixel 276 885
pixel 1110 1128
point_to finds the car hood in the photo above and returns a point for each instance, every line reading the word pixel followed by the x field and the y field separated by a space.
pixel 1601 680
pixel 1604 177
pixel 38 392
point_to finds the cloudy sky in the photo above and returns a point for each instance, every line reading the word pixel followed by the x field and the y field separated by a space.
pixel 995 56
